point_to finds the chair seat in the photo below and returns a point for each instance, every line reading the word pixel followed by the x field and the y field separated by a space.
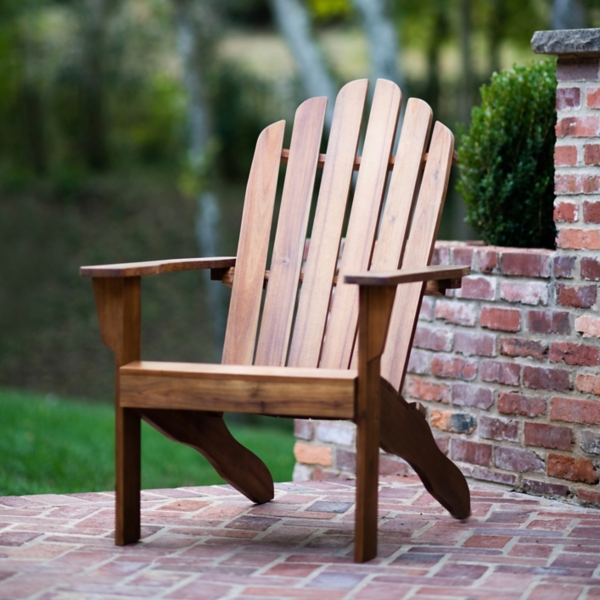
pixel 277 391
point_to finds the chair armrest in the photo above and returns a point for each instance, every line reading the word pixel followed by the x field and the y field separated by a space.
pixel 439 277
pixel 156 267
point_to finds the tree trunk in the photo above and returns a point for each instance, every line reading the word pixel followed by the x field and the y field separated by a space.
pixel 496 31
pixel 382 38
pixel 466 94
pixel 568 14
pixel 293 22
pixel 440 31
pixel 195 41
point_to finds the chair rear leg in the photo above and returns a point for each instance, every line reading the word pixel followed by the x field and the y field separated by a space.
pixel 406 433
pixel 207 433
pixel 128 476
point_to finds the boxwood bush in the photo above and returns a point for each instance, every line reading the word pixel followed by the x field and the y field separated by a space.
pixel 506 159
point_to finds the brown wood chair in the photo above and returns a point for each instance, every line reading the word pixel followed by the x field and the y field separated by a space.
pixel 319 349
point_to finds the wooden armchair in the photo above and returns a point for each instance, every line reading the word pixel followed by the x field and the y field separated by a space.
pixel 334 339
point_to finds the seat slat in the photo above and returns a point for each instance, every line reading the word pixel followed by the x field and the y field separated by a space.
pixel 364 217
pixel 284 391
pixel 327 226
pixel 290 237
pixel 419 249
pixel 246 296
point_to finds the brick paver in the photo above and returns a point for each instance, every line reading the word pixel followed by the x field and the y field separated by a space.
pixel 210 542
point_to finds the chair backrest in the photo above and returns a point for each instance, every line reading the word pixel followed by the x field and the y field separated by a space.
pixel 307 320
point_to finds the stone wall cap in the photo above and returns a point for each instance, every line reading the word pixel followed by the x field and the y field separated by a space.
pixel 567 42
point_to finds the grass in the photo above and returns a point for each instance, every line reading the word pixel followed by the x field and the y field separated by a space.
pixel 53 445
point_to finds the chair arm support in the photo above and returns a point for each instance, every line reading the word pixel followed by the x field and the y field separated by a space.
pixel 156 267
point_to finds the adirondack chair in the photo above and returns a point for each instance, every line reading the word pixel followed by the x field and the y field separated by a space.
pixel 319 350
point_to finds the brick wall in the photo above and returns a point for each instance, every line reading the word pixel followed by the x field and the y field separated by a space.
pixel 508 366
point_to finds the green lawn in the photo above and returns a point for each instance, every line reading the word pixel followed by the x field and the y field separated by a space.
pixel 51 445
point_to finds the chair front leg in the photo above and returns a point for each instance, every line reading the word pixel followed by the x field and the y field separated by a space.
pixel 118 303
pixel 374 314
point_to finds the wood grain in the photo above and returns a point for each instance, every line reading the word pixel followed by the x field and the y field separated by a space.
pixel 326 233
pixel 364 217
pixel 398 276
pixel 253 245
pixel 282 391
pixel 288 248
pixel 419 249
pixel 156 267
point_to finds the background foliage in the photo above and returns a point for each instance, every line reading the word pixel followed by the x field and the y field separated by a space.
pixel 505 160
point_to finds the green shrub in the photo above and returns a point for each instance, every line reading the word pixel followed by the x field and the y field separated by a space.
pixel 506 159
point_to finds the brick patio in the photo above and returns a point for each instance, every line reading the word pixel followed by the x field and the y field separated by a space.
pixel 210 542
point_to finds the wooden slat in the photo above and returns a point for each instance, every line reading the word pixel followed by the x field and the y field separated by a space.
pixel 253 245
pixel 327 226
pixel 288 247
pixel 364 217
pixel 393 278
pixel 419 249
pixel 284 391
pixel 156 267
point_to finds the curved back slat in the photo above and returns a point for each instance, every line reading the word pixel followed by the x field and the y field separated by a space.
pixel 290 237
pixel 327 226
pixel 253 245
pixel 419 248
pixel 381 130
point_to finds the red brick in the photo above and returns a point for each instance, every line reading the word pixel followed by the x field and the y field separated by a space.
pixel 545 489
pixel 480 344
pixel 573 410
pixel 426 312
pixel 432 339
pixel 532 292
pixel 568 97
pixel 564 266
pixel 548 436
pixel 457 313
pixel 313 455
pixel 565 156
pixel 524 347
pixel 571 469
pixel 462 256
pixel 446 420
pixel 583 296
pixel 593 97
pixel 417 387
pixel 442 442
pixel 471 452
pixel 498 429
pixel 591 184
pixel 454 367
pixel 392 465
pixel 589 326
pixel 588 126
pixel 517 404
pixel 575 354
pixel 303 429
pixel 546 378
pixel 591 212
pixel 441 255
pixel 565 184
pixel 487 260
pixel 419 362
pixel 543 321
pixel 579 239
pixel 517 460
pixel 477 288
pixel 494 476
pixel 507 373
pixel 590 441
pixel 472 395
pixel 590 268
pixel 566 212
pixel 503 319
pixel 588 496
pixel 579 69
pixel 532 263
pixel 588 383
pixel 345 460
pixel 591 154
